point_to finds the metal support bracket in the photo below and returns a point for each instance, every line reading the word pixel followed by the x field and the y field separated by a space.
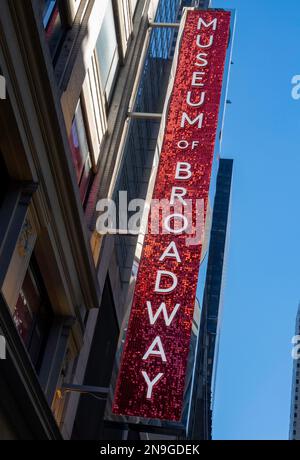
pixel 101 392
pixel 145 115
pixel 157 25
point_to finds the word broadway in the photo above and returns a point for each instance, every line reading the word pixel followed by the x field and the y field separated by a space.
pixel 177 216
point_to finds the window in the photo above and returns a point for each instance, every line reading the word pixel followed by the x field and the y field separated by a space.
pixel 107 51
pixel 80 152
pixel 99 369
pixel 52 23
pixel 33 314
pixel 94 109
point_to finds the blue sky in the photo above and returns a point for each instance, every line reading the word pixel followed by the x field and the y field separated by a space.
pixel 262 134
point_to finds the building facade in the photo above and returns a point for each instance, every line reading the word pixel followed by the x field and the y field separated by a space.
pixel 85 87
pixel 211 314
pixel 295 405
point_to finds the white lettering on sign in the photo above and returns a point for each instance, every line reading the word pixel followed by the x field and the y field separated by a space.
pixel 183 172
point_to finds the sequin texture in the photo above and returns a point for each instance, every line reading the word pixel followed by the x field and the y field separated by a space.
pixel 131 389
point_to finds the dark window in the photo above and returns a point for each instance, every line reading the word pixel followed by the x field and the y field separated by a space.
pixel 53 25
pixel 89 422
pixel 33 314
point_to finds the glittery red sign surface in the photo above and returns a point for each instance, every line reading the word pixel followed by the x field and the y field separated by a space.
pixel 151 379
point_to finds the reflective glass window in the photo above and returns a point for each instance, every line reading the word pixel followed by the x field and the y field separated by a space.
pixel 80 152
pixel 107 50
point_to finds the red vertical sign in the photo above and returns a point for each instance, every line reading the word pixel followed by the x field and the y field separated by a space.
pixel 151 379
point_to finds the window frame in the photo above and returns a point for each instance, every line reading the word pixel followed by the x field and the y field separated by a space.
pixel 88 158
pixel 47 17
pixel 110 80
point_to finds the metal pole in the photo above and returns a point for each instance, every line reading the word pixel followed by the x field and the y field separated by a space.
pixel 145 115
pixel 157 25
pixel 84 389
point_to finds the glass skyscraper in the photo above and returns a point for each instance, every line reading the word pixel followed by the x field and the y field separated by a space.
pixel 211 315
pixel 295 402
